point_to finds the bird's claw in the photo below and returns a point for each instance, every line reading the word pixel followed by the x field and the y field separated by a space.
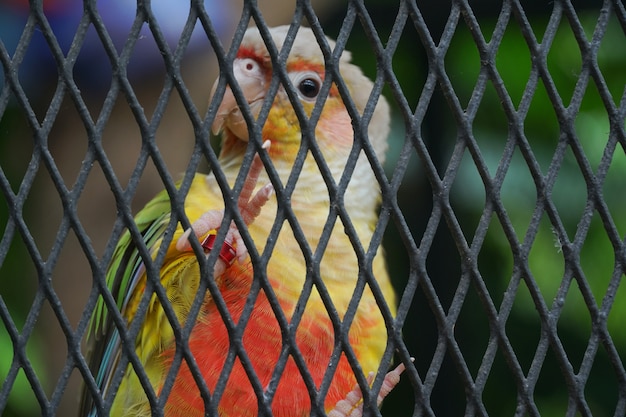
pixel 249 207
pixel 352 405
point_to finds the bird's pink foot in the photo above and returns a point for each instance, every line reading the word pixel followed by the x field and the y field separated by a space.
pixel 249 207
pixel 352 405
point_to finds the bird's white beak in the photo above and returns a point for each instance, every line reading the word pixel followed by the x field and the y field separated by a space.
pixel 251 79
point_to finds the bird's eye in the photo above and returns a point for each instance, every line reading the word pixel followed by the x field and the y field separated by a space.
pixel 309 87
pixel 308 84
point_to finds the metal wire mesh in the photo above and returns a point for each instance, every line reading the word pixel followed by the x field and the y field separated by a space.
pixel 449 368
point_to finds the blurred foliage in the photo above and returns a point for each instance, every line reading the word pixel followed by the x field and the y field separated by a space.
pixel 569 193
pixel 569 196
pixel 22 400
pixel 16 287
pixel 519 197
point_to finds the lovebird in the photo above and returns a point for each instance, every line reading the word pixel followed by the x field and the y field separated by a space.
pixel 234 273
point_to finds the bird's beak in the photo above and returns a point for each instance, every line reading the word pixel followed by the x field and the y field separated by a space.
pixel 251 79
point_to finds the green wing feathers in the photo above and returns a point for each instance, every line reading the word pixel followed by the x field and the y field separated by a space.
pixel 124 271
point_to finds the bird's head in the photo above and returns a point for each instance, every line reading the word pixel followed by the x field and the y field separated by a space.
pixel 305 67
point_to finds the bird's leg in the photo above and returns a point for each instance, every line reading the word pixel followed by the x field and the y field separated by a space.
pixel 352 405
pixel 249 207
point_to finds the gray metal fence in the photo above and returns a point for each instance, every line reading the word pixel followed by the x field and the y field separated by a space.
pixel 502 214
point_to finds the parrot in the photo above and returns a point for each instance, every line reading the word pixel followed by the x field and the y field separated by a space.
pixel 286 270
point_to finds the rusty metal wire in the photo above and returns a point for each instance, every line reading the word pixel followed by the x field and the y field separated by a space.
pixel 423 381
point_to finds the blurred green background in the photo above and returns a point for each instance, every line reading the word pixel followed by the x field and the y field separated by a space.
pixel 42 211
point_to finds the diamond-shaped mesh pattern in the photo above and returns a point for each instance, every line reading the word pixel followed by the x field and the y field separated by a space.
pixel 503 204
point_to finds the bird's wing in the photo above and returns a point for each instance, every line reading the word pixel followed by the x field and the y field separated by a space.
pixel 124 273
